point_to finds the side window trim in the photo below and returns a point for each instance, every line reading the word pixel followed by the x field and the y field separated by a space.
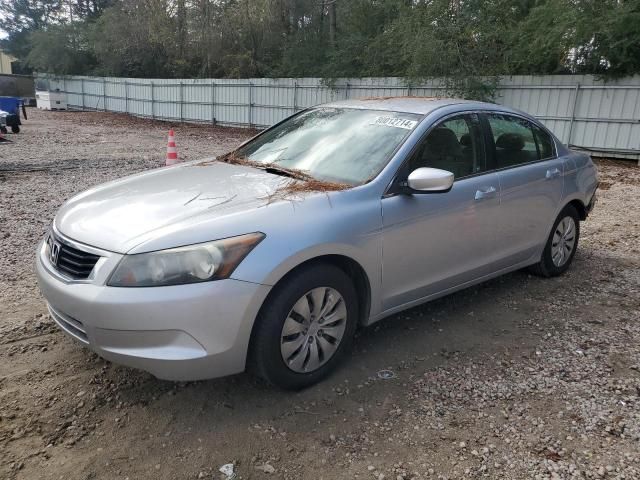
pixel 489 143
pixel 491 147
pixel 535 140
pixel 481 154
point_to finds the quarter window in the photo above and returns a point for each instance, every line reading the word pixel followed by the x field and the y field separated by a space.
pixel 454 145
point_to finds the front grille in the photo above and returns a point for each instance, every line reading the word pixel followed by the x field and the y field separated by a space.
pixel 73 327
pixel 70 261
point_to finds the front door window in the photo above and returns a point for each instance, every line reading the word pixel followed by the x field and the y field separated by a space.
pixel 454 145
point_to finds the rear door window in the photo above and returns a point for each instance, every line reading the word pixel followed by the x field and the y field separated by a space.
pixel 513 139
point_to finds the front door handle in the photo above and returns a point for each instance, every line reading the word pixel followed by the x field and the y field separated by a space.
pixel 552 173
pixel 487 192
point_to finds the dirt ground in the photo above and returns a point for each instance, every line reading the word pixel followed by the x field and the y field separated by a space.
pixel 518 378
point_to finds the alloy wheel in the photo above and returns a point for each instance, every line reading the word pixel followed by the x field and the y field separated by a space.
pixel 563 242
pixel 313 329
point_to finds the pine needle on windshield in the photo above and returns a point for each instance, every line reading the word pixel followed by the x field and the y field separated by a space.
pixel 296 189
pixel 235 159
pixel 300 184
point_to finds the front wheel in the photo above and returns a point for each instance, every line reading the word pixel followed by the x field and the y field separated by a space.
pixel 561 245
pixel 305 327
pixel 15 129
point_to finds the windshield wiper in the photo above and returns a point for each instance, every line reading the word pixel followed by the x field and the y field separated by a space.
pixel 286 172
pixel 234 158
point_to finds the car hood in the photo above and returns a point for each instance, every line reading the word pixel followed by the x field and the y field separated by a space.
pixel 120 215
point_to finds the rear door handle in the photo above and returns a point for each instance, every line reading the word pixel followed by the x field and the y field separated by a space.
pixel 552 173
pixel 487 192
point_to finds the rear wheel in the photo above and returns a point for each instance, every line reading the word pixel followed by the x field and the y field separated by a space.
pixel 3 129
pixel 561 245
pixel 15 129
pixel 305 328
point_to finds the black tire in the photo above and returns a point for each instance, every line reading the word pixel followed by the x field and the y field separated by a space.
pixel 545 267
pixel 265 357
pixel 3 130
pixel 15 129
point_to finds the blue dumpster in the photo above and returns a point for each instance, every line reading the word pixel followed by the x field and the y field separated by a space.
pixel 10 113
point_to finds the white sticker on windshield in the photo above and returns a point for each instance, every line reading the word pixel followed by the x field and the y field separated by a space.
pixel 395 122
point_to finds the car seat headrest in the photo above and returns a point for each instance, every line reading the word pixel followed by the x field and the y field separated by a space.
pixel 442 141
pixel 510 141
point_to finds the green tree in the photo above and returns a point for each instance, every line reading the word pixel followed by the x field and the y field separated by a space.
pixel 135 39
pixel 61 49
pixel 22 17
pixel 579 36
pixel 468 43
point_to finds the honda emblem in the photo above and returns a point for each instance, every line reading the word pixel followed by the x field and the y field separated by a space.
pixel 54 251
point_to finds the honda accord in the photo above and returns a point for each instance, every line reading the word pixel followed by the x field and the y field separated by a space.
pixel 269 258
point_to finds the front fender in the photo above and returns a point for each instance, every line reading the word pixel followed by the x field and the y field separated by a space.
pixel 351 227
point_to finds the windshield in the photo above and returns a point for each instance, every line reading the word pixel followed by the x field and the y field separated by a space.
pixel 334 144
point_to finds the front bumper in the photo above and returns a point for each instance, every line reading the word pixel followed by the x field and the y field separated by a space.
pixel 183 332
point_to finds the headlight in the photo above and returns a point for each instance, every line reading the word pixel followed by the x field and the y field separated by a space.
pixel 191 264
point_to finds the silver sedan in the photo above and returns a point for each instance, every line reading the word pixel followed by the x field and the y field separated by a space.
pixel 269 258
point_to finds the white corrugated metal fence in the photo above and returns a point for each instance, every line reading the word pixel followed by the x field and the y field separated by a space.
pixel 582 111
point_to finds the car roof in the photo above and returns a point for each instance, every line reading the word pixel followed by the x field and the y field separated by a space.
pixel 416 105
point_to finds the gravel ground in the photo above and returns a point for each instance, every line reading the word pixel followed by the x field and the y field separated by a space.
pixel 518 378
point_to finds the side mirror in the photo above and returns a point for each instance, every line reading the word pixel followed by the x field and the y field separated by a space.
pixel 430 180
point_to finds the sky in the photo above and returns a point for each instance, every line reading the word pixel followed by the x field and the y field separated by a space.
pixel 3 34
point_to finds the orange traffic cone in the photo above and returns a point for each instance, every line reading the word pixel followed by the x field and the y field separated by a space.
pixel 172 151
